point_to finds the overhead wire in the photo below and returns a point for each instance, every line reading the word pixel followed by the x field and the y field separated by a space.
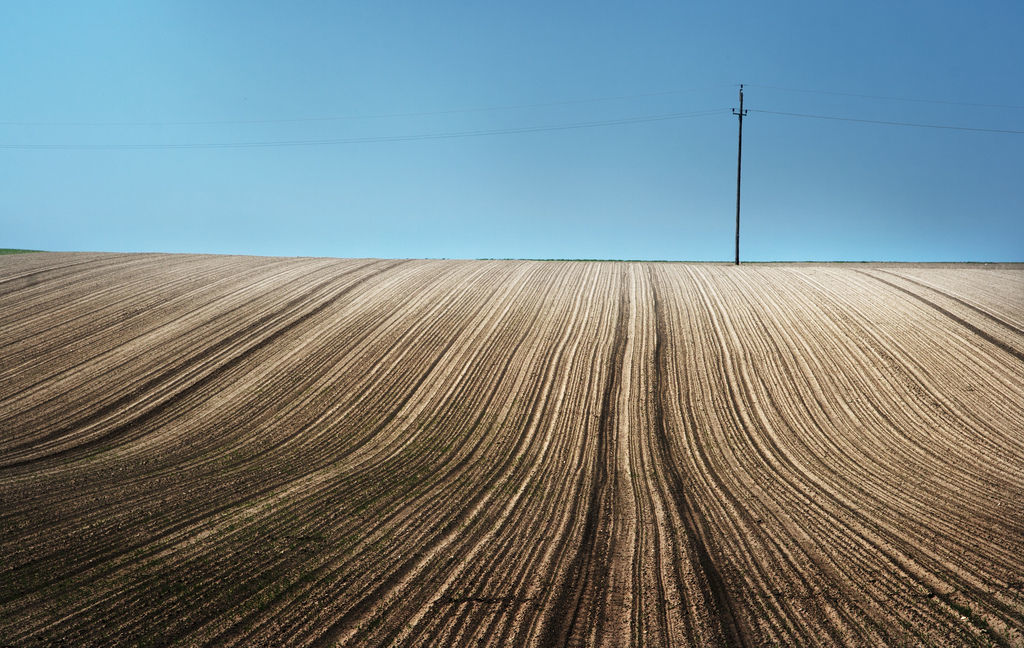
pixel 372 139
pixel 483 132
pixel 886 97
pixel 890 123
pixel 453 111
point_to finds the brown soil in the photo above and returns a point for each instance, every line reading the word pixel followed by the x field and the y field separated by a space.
pixel 203 450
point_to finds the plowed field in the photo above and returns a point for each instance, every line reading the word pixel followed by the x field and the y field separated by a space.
pixel 203 450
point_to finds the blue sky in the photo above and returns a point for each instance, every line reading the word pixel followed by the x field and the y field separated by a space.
pixel 126 73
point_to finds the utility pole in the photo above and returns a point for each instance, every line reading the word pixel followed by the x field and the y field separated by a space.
pixel 739 167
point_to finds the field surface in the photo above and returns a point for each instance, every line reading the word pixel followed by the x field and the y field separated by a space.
pixel 243 451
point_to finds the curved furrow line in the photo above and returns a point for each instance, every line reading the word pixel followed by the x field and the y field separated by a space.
pixel 173 393
pixel 865 338
pixel 531 414
pixel 959 530
pixel 649 621
pixel 862 331
pixel 741 519
pixel 979 484
pixel 626 598
pixel 986 431
pixel 799 451
pixel 175 341
pixel 43 321
pixel 963 302
pixel 957 340
pixel 809 442
pixel 700 436
pixel 774 452
pixel 179 526
pixel 794 555
pixel 790 387
pixel 27 309
pixel 39 306
pixel 448 533
pixel 716 596
pixel 195 519
pixel 841 501
pixel 122 304
pixel 44 492
pixel 337 371
pixel 673 559
pixel 560 488
pixel 765 455
pixel 340 382
pixel 587 570
pixel 985 335
pixel 996 291
pixel 565 485
pixel 436 328
pixel 548 489
pixel 321 418
pixel 510 453
pixel 177 466
pixel 120 359
pixel 562 521
pixel 501 540
pixel 12 284
pixel 235 632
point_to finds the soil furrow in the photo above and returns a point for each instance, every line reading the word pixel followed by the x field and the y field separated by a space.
pixel 205 450
pixel 1016 353
pixel 716 595
pixel 166 403
pixel 588 567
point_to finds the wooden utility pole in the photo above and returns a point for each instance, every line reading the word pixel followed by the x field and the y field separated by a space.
pixel 739 168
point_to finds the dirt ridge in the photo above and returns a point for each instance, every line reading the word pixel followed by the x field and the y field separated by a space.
pixel 234 451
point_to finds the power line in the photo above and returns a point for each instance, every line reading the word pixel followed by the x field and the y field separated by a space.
pixel 887 98
pixel 478 109
pixel 370 140
pixel 454 111
pixel 892 123
pixel 479 133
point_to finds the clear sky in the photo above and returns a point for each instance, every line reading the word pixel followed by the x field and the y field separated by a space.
pixel 128 73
